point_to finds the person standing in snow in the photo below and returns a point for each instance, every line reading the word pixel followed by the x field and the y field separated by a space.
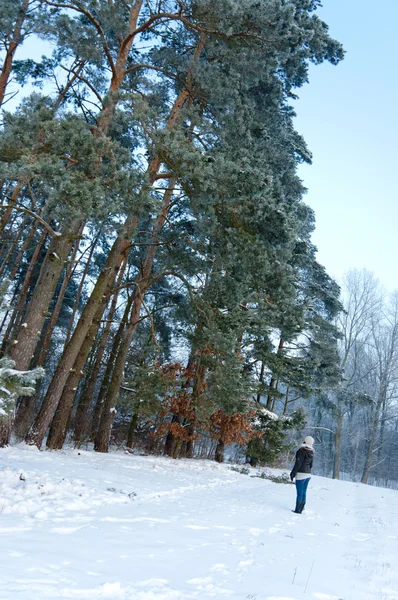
pixel 301 471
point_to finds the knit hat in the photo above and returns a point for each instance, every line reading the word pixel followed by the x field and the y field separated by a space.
pixel 309 440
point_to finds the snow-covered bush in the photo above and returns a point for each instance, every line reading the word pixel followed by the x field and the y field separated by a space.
pixel 13 383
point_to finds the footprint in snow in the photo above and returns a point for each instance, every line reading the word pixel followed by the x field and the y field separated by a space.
pixel 38 570
pixel 255 531
pixel 219 568
pixel 66 530
pixel 362 537
pixel 273 530
pixel 245 564
pixel 205 584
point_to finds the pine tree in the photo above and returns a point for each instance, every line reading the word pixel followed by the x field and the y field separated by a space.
pixel 212 209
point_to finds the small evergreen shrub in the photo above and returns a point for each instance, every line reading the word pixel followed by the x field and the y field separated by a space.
pixel 241 470
pixel 266 450
pixel 284 478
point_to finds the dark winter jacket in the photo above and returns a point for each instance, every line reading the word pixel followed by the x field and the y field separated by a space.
pixel 303 464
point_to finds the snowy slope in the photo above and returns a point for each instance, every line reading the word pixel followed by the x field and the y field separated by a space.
pixel 84 525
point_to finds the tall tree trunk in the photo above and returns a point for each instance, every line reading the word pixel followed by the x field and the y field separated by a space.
pixel 337 448
pixel 25 246
pixel 11 249
pixel 102 438
pixel 382 429
pixel 183 449
pixel 11 203
pixel 18 311
pixel 195 379
pixel 63 413
pixel 171 439
pixel 261 380
pixel 25 343
pixel 109 370
pixel 119 71
pixel 81 421
pixel 5 430
pixel 57 308
pixel 176 447
pixel 79 291
pixel 141 286
pixel 372 440
pixel 4 320
pixel 15 41
pixel 286 404
pixel 190 442
pixel 273 380
pixel 94 307
pixel 219 456
pixel 285 408
pixel 133 424
pixel 58 430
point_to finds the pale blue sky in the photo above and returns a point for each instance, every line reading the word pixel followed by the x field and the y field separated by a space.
pixel 347 115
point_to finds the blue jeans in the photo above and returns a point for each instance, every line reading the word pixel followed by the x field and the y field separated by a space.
pixel 301 488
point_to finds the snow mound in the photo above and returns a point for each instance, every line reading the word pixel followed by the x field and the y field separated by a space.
pixel 80 525
pixel 36 495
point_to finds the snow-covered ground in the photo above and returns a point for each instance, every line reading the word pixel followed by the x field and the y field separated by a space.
pixel 82 525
